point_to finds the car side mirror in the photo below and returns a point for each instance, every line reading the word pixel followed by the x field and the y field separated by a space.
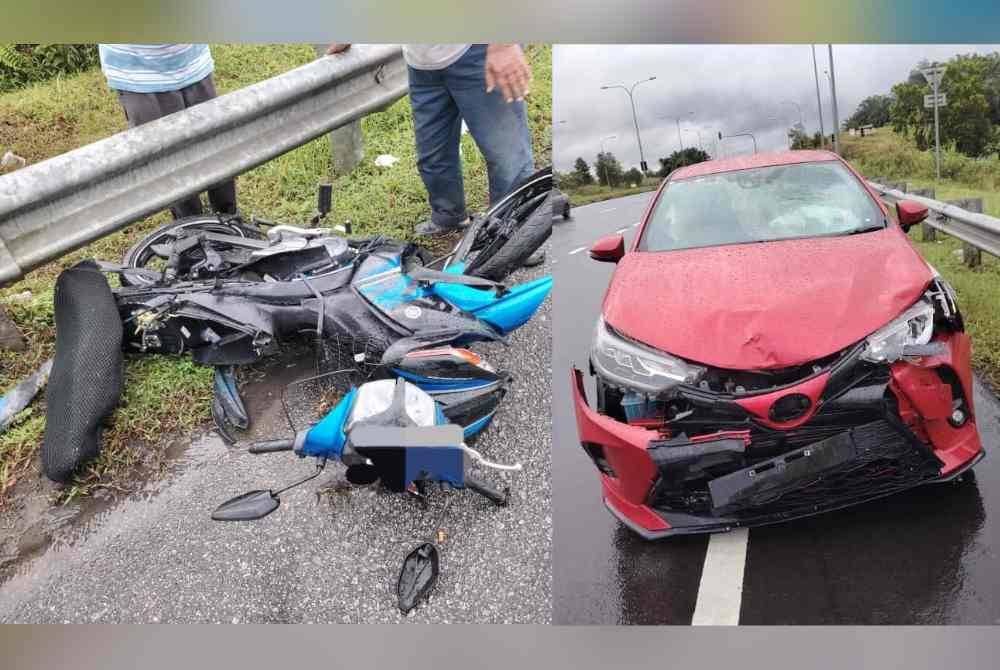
pixel 608 249
pixel 909 213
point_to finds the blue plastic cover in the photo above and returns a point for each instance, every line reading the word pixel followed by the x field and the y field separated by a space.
pixel 327 438
pixel 505 313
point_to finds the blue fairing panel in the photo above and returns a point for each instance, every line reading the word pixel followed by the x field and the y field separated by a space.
pixel 505 313
pixel 441 384
pixel 327 437
pixel 478 425
pixel 388 290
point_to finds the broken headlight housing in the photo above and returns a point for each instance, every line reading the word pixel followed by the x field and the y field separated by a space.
pixel 630 365
pixel 914 327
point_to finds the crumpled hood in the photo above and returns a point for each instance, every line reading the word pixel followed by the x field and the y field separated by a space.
pixel 765 305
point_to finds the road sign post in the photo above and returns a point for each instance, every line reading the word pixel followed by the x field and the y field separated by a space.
pixel 933 76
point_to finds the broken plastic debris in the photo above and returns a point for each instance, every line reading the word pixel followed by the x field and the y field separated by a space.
pixel 22 394
pixel 386 160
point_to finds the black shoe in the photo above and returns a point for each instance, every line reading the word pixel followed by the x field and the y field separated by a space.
pixel 534 259
pixel 429 228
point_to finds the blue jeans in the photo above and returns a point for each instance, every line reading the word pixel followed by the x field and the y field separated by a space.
pixel 440 100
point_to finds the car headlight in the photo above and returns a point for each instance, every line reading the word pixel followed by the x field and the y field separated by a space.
pixel 637 367
pixel 915 326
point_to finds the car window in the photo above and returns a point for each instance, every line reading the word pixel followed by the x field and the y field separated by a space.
pixel 760 204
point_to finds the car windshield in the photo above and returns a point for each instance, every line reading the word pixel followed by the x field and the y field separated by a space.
pixel 760 204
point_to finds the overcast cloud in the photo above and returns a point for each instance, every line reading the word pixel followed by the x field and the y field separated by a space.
pixel 712 88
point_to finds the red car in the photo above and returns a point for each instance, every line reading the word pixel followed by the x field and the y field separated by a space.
pixel 772 347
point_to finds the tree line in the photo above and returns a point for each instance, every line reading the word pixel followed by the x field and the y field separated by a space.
pixel 608 171
pixel 970 120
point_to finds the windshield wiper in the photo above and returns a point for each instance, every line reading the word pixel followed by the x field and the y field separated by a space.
pixel 869 229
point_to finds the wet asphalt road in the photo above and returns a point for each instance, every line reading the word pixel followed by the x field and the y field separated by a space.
pixel 333 557
pixel 928 556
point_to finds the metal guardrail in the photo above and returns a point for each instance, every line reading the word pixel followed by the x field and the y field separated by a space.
pixel 53 207
pixel 977 230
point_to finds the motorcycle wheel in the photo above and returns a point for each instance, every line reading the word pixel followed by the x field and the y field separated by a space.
pixel 498 257
pixel 497 263
pixel 141 253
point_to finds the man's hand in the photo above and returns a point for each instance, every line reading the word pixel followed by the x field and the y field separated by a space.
pixel 507 68
pixel 336 48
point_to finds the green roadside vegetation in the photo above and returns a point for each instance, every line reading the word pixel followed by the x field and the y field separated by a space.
pixel 894 157
pixel 166 396
pixel 590 193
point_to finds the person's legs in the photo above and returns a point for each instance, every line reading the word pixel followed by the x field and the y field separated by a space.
pixel 438 128
pixel 142 108
pixel 221 196
pixel 499 128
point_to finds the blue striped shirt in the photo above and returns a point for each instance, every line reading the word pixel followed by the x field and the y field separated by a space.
pixel 154 68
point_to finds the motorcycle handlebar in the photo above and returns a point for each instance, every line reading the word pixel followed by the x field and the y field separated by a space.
pixel 271 446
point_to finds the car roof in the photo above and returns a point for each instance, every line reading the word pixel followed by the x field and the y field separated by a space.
pixel 765 159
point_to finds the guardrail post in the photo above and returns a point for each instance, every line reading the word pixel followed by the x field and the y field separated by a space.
pixel 10 336
pixel 927 232
pixel 971 255
pixel 347 144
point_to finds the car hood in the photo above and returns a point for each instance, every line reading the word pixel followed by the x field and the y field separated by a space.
pixel 765 305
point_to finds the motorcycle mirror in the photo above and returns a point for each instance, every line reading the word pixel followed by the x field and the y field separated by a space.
pixel 325 199
pixel 418 576
pixel 247 507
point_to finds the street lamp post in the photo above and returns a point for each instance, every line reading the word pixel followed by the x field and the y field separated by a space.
pixel 635 118
pixel 798 107
pixel 606 137
pixel 745 133
pixel 819 102
pixel 783 120
pixel 696 131
pixel 833 96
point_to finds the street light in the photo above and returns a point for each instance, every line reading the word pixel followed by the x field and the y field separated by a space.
pixel 606 137
pixel 784 121
pixel 798 107
pixel 745 133
pixel 833 97
pixel 635 119
pixel 819 102
pixel 696 131
pixel 680 140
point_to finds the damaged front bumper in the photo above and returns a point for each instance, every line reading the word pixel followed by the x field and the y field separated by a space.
pixel 864 431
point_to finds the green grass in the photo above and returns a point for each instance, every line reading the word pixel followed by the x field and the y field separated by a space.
pixel 591 193
pixel 165 396
pixel 891 156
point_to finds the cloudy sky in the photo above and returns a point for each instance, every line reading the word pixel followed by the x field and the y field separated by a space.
pixel 711 88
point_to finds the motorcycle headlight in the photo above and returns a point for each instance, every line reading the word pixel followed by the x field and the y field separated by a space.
pixel 632 365
pixel 915 326
pixel 376 397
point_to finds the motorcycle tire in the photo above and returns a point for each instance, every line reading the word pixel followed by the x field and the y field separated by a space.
pixel 525 240
pixel 136 257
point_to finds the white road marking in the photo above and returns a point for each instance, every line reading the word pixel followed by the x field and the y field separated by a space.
pixel 720 592
pixel 577 250
pixel 636 224
pixel 609 209
pixel 621 230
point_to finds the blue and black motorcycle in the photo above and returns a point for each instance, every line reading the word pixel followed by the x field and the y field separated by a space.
pixel 396 320
pixel 231 292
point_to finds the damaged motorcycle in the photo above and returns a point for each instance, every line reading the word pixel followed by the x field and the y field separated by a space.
pixel 230 293
pixel 389 323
